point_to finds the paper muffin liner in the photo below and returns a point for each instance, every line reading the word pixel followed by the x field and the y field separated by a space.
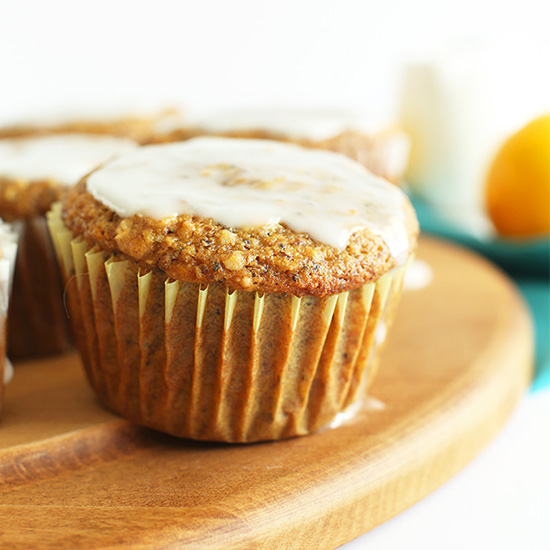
pixel 9 236
pixel 207 363
pixel 38 320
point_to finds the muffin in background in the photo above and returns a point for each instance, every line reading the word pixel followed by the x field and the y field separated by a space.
pixel 35 172
pixel 9 236
pixel 232 289
pixel 384 152
pixel 137 127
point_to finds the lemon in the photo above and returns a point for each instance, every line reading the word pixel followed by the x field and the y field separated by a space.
pixel 517 189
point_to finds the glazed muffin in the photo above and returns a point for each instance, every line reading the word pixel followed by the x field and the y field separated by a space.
pixel 9 235
pixel 231 290
pixel 34 173
pixel 383 152
pixel 137 127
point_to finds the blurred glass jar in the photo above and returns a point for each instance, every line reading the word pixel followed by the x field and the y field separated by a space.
pixel 458 105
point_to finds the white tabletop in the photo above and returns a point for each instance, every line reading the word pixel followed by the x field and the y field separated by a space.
pixel 499 501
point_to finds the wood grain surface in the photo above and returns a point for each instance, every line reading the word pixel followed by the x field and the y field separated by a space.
pixel 74 476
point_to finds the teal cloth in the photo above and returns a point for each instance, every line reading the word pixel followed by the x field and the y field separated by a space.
pixel 527 263
pixel 537 295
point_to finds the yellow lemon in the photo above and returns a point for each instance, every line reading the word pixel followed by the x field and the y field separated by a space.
pixel 517 190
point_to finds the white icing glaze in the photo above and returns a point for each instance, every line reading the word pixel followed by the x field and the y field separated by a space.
pixel 380 333
pixel 373 404
pixel 102 112
pixel 9 235
pixel 313 124
pixel 244 183
pixel 62 158
pixel 8 371
pixel 419 275
pixel 369 405
pixel 345 416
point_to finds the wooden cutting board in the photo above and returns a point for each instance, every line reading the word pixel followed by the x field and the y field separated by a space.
pixel 74 476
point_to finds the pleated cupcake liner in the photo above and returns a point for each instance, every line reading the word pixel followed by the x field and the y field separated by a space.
pixel 207 363
pixel 38 321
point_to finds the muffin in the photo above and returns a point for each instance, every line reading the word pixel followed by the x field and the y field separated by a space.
pixel 137 127
pixel 9 236
pixel 383 152
pixel 232 290
pixel 34 173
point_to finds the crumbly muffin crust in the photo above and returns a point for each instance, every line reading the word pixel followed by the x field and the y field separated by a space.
pixel 265 259
pixel 21 199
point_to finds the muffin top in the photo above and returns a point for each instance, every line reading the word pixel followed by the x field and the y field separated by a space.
pixel 293 123
pixel 111 121
pixel 61 158
pixel 382 149
pixel 305 126
pixel 253 214
pixel 32 169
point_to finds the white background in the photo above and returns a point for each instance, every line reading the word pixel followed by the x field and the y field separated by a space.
pixel 213 53
pixel 64 55
pixel 501 501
